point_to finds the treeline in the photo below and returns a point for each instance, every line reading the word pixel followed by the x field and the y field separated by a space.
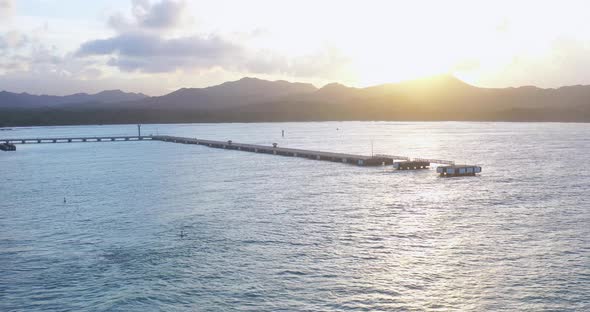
pixel 51 117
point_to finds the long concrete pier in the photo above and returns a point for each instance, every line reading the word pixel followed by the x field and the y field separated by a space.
pixel 360 160
pixel 398 162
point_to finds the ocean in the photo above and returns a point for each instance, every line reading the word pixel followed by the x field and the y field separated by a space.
pixel 273 233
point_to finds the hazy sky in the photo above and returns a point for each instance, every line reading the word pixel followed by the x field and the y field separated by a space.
pixel 68 46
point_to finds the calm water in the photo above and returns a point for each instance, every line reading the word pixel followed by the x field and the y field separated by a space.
pixel 270 233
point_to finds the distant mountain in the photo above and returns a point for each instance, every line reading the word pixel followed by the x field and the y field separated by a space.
pixel 442 97
pixel 25 100
pixel 227 95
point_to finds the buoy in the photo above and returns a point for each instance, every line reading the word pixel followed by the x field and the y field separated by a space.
pixel 64 200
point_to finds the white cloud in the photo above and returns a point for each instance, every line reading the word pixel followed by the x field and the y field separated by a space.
pixel 145 16
pixel 143 44
pixel 6 9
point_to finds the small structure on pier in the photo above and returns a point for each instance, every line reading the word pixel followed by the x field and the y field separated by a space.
pixel 458 170
pixel 411 165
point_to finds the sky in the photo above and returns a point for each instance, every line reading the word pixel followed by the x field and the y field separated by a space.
pixel 158 46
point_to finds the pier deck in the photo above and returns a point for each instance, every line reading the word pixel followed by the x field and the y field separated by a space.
pixel 360 160
pixel 74 139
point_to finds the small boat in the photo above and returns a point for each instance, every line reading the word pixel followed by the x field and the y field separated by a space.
pixel 7 147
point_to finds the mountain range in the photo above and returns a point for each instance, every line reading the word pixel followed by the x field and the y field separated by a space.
pixel 25 100
pixel 442 97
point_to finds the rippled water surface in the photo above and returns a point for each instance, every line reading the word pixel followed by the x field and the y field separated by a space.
pixel 270 233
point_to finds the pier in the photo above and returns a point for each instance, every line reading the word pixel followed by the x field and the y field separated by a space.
pixel 398 162
pixel 359 160
pixel 75 139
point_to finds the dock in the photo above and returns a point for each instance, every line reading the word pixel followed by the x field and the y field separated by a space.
pixel 398 162
pixel 75 139
pixel 359 160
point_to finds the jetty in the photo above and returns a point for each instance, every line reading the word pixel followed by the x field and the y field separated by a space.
pixel 274 149
pixel 398 162
pixel 75 139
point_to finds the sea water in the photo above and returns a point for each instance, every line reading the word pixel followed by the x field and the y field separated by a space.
pixel 274 233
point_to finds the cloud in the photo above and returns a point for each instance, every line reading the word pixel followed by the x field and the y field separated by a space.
pixel 152 53
pixel 28 51
pixel 162 16
pixel 6 8
pixel 142 45
pixel 28 55
pixel 12 40
pixel 166 14
pixel 16 52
